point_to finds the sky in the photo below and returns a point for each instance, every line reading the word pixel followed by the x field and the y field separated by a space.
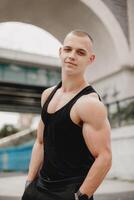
pixel 27 38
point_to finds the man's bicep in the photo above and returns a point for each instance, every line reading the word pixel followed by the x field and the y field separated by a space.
pixel 96 127
pixel 40 131
pixel 97 140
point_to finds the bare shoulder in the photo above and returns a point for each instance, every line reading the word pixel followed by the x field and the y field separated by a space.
pixel 45 94
pixel 93 94
pixel 89 106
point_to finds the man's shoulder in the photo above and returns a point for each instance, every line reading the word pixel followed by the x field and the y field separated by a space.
pixel 46 93
pixel 88 99
pixel 90 104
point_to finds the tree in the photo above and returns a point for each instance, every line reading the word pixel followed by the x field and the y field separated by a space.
pixel 8 129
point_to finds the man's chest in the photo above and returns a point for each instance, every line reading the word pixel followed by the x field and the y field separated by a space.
pixel 59 102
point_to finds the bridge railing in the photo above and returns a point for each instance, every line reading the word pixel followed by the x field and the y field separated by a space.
pixel 18 138
pixel 121 112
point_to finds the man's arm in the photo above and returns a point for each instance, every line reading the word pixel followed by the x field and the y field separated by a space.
pixel 37 153
pixel 96 133
pixel 38 149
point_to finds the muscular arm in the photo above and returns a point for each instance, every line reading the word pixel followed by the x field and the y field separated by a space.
pixel 37 154
pixel 38 149
pixel 96 132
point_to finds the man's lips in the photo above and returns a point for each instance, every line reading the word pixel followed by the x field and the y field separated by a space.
pixel 71 63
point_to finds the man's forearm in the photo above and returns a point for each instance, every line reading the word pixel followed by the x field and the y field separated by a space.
pixel 96 175
pixel 36 161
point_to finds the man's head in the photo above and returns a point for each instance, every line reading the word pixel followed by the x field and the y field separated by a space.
pixel 80 33
pixel 77 51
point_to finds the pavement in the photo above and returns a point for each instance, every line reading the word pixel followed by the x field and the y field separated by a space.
pixel 12 188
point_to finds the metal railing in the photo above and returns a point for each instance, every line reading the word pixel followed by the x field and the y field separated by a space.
pixel 121 112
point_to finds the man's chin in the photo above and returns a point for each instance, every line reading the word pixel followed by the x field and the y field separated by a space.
pixel 69 71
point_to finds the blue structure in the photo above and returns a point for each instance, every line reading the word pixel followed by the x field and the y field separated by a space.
pixel 16 158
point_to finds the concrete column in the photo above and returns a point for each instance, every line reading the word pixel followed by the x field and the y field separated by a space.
pixel 130 4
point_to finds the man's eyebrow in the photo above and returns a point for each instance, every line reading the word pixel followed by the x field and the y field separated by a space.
pixel 85 51
pixel 82 50
pixel 67 47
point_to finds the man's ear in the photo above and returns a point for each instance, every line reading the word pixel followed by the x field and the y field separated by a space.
pixel 92 58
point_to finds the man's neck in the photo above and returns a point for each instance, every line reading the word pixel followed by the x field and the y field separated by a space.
pixel 72 84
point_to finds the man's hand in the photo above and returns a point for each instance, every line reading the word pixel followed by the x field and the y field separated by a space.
pixel 79 196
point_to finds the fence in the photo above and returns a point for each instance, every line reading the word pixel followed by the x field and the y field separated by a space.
pixel 15 158
pixel 121 113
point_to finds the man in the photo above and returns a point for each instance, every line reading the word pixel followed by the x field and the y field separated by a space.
pixel 72 152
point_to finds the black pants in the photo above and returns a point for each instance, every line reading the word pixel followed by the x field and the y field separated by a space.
pixel 33 192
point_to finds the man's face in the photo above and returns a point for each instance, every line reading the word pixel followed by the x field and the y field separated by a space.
pixel 76 53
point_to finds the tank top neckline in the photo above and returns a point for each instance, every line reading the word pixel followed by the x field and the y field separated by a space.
pixel 71 100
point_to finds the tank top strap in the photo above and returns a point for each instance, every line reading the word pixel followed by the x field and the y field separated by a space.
pixel 87 90
pixel 44 108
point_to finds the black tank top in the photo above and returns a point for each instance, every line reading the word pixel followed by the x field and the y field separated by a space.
pixel 65 152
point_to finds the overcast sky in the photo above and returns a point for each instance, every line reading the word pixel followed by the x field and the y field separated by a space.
pixel 29 38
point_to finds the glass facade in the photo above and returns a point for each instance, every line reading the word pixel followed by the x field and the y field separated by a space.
pixel 33 75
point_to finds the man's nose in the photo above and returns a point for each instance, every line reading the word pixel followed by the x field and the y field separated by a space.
pixel 72 55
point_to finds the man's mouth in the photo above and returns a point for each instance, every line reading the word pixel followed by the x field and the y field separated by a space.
pixel 71 63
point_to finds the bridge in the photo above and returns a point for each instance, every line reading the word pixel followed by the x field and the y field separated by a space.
pixel 23 77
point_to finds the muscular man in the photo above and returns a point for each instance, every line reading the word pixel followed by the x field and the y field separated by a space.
pixel 72 152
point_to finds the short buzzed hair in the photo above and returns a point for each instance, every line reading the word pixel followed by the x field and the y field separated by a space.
pixel 81 33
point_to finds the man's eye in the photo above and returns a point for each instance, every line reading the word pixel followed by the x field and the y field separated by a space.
pixel 67 50
pixel 81 53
